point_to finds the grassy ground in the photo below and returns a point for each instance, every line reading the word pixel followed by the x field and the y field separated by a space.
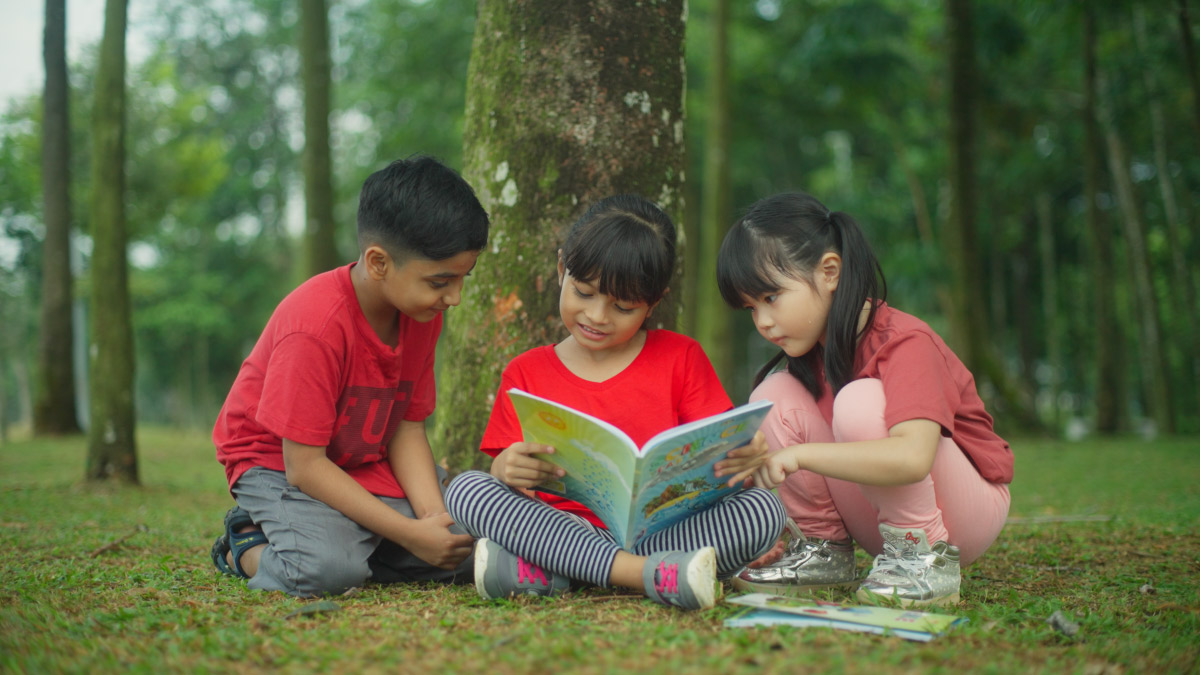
pixel 118 579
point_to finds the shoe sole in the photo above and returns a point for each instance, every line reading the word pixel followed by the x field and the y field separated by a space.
pixel 701 573
pixel 794 590
pixel 891 600
pixel 481 561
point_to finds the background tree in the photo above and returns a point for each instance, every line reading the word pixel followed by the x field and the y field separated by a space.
pixel 713 318
pixel 567 103
pixel 112 452
pixel 54 408
pixel 320 243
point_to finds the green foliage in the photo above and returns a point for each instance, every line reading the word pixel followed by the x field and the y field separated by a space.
pixel 119 580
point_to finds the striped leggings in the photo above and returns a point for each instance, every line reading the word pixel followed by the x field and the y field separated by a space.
pixel 741 528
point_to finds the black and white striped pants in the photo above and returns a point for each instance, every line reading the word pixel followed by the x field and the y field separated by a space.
pixel 741 527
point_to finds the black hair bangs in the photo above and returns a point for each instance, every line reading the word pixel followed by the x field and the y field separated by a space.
pixel 623 258
pixel 748 266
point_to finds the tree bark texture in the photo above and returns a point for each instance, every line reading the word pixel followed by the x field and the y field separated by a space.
pixel 567 103
pixel 54 407
pixel 112 452
pixel 320 239
pixel 714 319
pixel 1109 381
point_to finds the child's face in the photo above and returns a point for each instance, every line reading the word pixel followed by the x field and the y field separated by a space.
pixel 795 315
pixel 422 289
pixel 598 322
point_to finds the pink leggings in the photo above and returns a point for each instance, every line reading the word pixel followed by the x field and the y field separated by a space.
pixel 953 503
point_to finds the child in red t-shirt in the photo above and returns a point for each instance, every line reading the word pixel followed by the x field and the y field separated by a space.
pixel 323 432
pixel 903 459
pixel 614 267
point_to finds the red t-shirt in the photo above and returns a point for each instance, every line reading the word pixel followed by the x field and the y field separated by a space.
pixel 670 382
pixel 319 375
pixel 923 379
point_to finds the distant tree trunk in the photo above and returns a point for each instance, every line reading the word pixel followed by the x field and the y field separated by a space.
pixel 1183 288
pixel 714 319
pixel 1189 58
pixel 1051 325
pixel 567 103
pixel 969 321
pixel 1109 381
pixel 54 409
pixel 112 453
pixel 320 240
pixel 1151 348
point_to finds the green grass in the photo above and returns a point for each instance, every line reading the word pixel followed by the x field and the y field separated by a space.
pixel 117 579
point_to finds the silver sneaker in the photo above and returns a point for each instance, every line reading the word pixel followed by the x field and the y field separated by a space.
pixel 807 565
pixel 911 572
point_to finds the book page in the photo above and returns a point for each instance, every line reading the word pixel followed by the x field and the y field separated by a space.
pixel 598 457
pixel 675 477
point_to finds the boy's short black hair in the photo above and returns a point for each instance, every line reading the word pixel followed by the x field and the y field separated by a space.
pixel 419 207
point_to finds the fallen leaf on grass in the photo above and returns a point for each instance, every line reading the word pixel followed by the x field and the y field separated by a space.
pixel 1059 622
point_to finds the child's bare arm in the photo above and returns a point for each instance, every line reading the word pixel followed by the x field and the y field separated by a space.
pixel 517 466
pixel 411 460
pixel 430 539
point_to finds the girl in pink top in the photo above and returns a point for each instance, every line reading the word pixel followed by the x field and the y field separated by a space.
pixel 878 435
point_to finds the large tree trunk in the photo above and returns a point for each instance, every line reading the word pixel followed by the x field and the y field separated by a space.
pixel 714 319
pixel 1109 380
pixel 112 453
pixel 567 103
pixel 54 408
pixel 320 240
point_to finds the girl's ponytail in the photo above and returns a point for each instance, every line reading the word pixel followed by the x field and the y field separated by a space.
pixel 861 283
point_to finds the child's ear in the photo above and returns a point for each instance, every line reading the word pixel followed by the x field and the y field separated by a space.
pixel 829 270
pixel 561 268
pixel 377 261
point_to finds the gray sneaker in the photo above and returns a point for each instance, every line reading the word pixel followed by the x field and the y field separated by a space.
pixel 911 572
pixel 500 574
pixel 684 580
pixel 807 565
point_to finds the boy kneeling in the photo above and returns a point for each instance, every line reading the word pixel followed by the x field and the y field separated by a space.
pixel 323 433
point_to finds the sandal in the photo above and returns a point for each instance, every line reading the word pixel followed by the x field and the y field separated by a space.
pixel 231 541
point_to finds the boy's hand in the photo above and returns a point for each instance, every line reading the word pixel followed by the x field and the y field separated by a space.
pixel 743 461
pixel 433 542
pixel 519 467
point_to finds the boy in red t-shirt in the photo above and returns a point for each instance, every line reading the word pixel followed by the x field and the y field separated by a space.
pixel 322 435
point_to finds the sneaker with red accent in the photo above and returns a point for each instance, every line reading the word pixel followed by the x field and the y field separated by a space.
pixel 912 573
pixel 684 580
pixel 500 574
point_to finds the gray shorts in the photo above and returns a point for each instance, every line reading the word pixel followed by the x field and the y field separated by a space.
pixel 315 550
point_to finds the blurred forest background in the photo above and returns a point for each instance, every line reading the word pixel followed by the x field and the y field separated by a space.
pixel 1069 131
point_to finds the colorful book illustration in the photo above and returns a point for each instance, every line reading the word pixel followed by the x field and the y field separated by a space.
pixel 777 610
pixel 636 491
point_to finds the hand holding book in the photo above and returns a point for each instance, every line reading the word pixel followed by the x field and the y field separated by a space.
pixel 743 462
pixel 519 465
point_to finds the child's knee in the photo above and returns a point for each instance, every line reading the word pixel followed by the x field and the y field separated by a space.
pixel 465 486
pixel 858 411
pixel 330 573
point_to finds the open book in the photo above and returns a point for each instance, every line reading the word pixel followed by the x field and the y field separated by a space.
pixel 636 491
pixel 777 610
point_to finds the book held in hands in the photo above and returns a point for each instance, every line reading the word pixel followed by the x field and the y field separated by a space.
pixel 636 491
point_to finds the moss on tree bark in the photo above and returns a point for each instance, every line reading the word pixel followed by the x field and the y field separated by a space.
pixel 567 103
